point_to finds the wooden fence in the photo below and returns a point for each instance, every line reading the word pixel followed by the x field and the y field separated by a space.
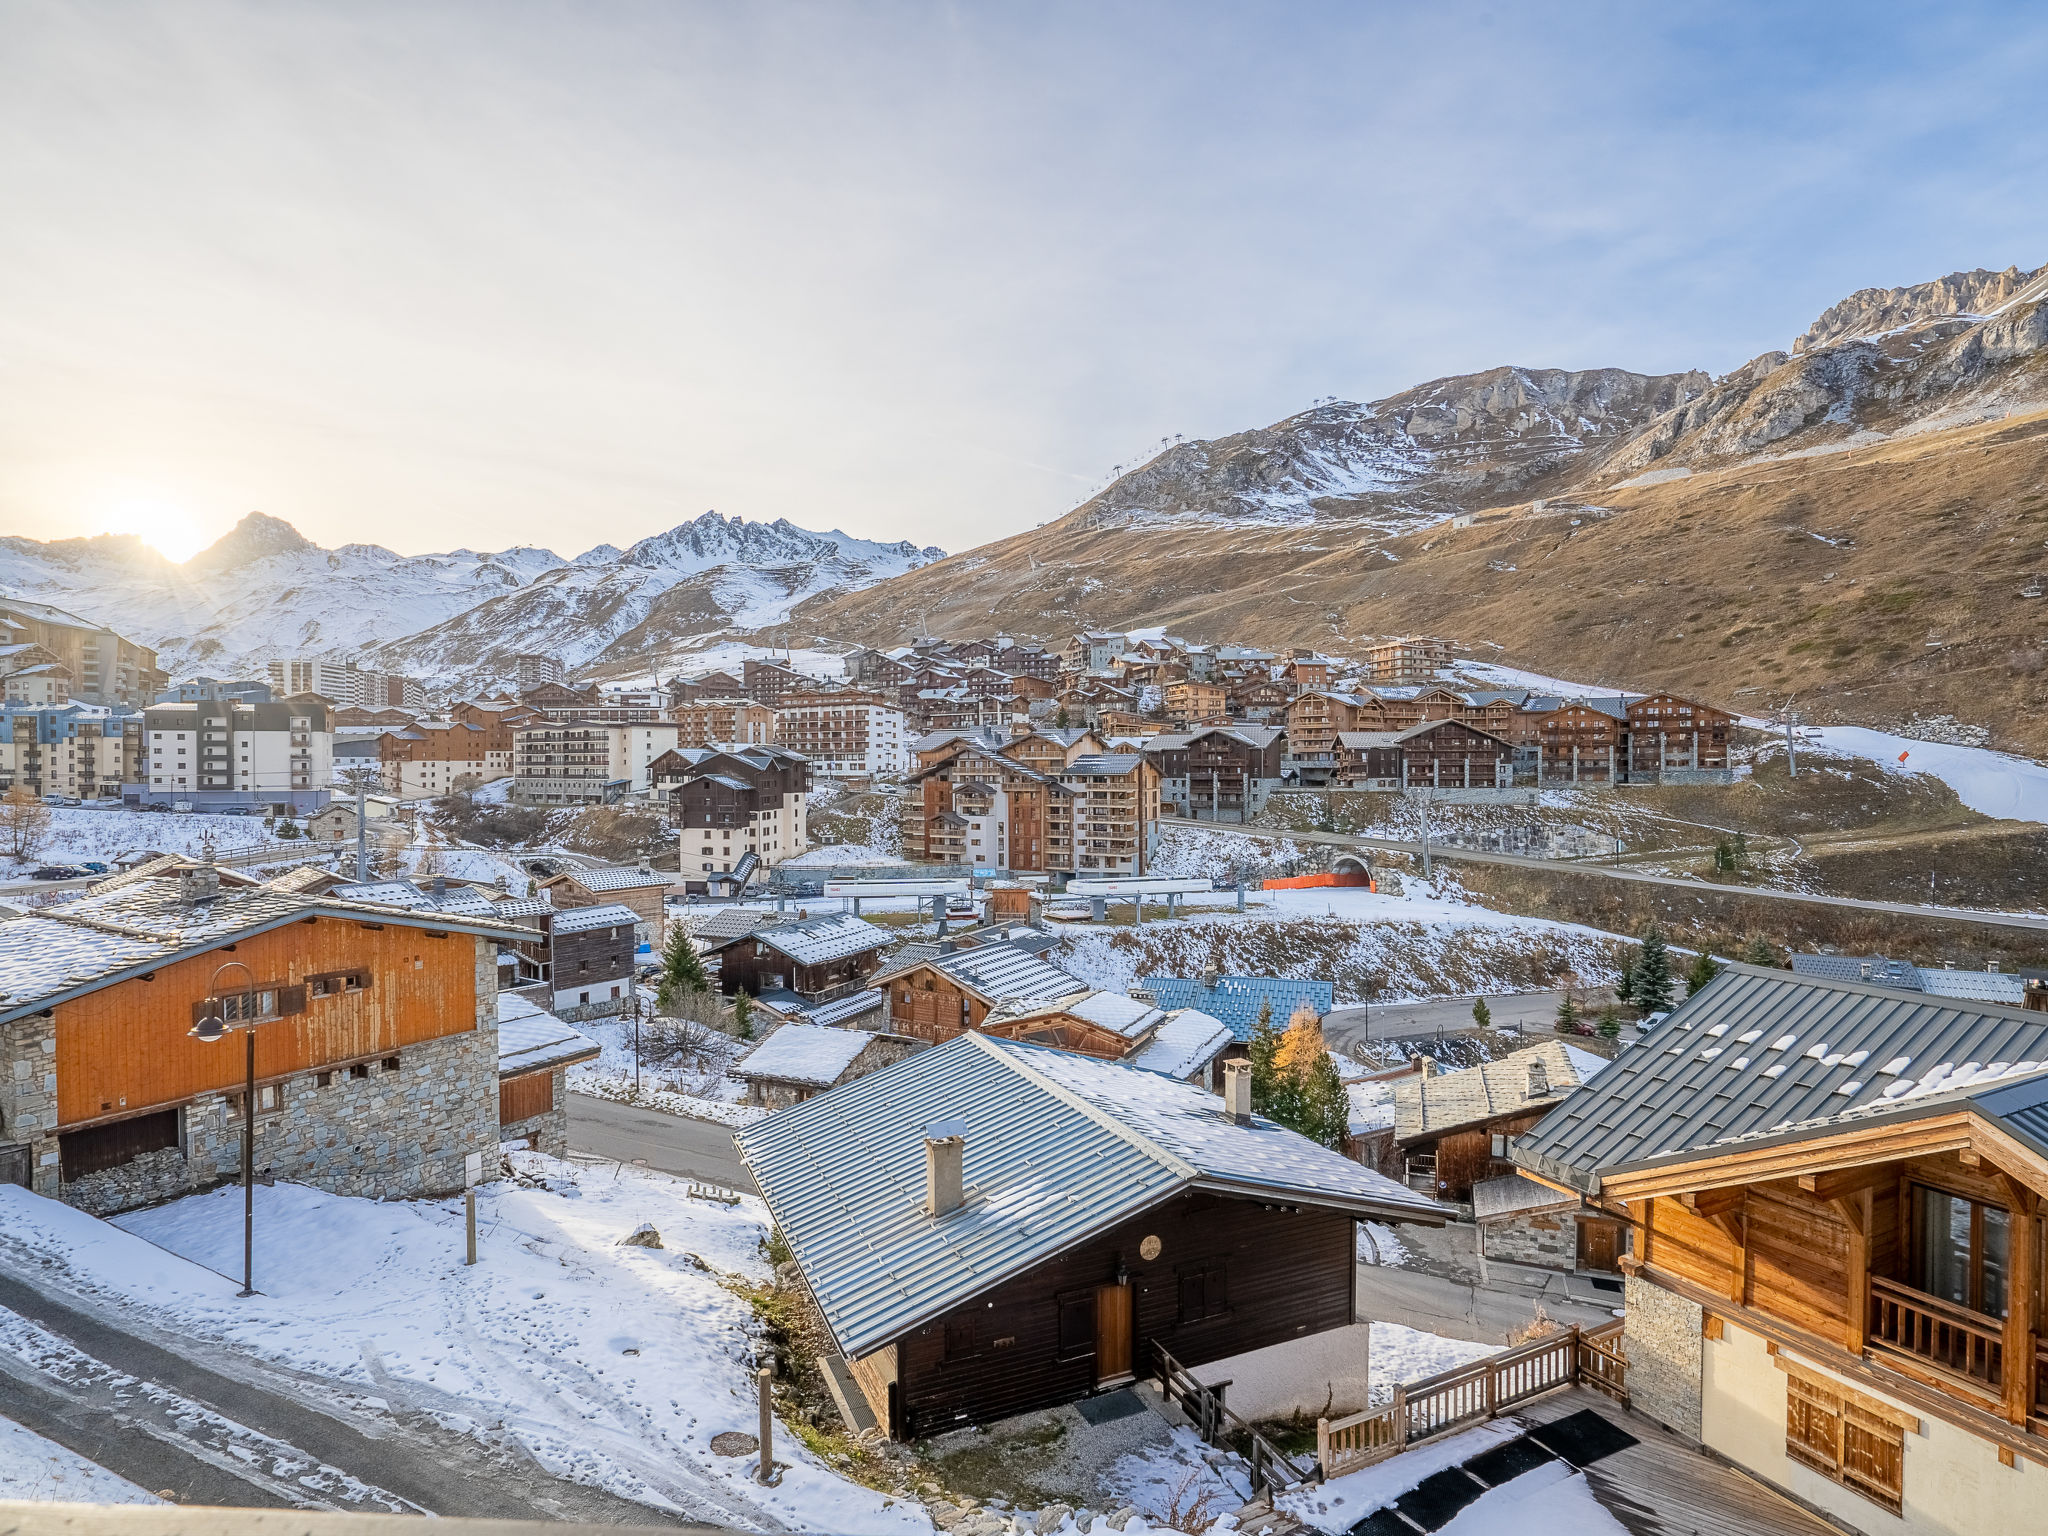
pixel 1203 1404
pixel 1471 1394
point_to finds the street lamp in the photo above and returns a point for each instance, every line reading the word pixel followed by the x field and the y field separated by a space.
pixel 212 1028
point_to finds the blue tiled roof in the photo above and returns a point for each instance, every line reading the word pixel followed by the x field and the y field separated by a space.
pixel 1236 999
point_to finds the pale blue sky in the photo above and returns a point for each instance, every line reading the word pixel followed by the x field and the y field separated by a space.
pixel 436 275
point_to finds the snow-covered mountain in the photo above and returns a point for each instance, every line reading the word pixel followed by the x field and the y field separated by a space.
pixel 265 591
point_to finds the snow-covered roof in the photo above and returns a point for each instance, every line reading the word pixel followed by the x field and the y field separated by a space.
pixel 1056 1146
pixel 1516 1083
pixel 805 1053
pixel 1117 1013
pixel 584 919
pixel 530 1038
pixel 611 877
pixel 732 923
pixel 817 940
pixel 996 972
pixel 1184 1044
pixel 1515 1195
pixel 841 1009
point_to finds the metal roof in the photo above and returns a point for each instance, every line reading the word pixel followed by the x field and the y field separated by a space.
pixel 1431 1106
pixel 852 1006
pixel 530 1038
pixel 1873 968
pixel 1236 999
pixel 732 923
pixel 1758 1053
pixel 816 940
pixel 1183 1045
pixel 584 919
pixel 610 877
pixel 995 972
pixel 1057 1147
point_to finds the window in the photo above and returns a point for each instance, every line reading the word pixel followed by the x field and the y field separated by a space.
pixel 1854 1440
pixel 335 983
pixel 1077 1325
pixel 1203 1292
pixel 269 1098
pixel 1961 1250
pixel 963 1337
pixel 360 1070
pixel 389 1064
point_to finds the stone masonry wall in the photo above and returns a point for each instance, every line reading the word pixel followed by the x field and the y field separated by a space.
pixel 1665 1349
pixel 1547 1239
pixel 546 1133
pixel 28 1095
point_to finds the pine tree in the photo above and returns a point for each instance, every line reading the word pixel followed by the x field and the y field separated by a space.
pixel 681 969
pixel 1625 983
pixel 1482 1016
pixel 1759 952
pixel 1273 1092
pixel 1567 1015
pixel 1609 1023
pixel 1704 969
pixel 1650 981
pixel 743 1016
pixel 1326 1107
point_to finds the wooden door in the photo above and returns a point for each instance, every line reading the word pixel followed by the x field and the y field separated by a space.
pixel 1599 1245
pixel 1112 1333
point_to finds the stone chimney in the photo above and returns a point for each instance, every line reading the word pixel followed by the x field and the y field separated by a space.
pixel 1209 978
pixel 1425 1066
pixel 199 882
pixel 945 1149
pixel 1237 1091
pixel 1539 1078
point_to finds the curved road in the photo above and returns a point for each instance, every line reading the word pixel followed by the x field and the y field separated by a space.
pixel 1611 872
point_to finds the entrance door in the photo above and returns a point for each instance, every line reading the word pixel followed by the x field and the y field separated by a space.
pixel 14 1167
pixel 1112 1334
pixel 1599 1245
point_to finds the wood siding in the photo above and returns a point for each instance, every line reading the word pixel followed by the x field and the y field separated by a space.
pixel 127 1048
pixel 521 1098
pixel 1282 1275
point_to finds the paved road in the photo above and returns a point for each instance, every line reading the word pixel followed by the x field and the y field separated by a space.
pixel 695 1149
pixel 1612 872
pixel 1531 1011
pixel 101 1387
pixel 1415 1298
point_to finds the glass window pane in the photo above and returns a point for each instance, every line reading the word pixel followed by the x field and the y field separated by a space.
pixel 1942 1232
pixel 1997 1259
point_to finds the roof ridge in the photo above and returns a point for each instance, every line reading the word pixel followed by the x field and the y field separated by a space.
pixel 101 925
pixel 1002 1051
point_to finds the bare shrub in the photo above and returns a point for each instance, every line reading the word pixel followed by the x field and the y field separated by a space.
pixel 1190 1507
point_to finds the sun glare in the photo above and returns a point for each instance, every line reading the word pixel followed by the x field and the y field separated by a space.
pixel 158 521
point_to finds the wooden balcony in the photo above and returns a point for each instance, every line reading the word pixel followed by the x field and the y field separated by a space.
pixel 1956 1341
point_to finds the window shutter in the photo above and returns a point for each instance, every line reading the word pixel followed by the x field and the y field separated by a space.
pixel 291 1000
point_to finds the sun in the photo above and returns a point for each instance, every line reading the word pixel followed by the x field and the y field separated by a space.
pixel 158 520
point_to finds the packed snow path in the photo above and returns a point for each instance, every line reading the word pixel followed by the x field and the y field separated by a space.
pixel 1613 872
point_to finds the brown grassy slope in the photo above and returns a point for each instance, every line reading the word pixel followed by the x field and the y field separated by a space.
pixel 1714 584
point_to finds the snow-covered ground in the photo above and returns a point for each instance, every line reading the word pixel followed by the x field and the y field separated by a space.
pixel 612 1366
pixel 700 1088
pixel 1401 1355
pixel 39 1470
pixel 1391 948
pixel 92 833
pixel 844 853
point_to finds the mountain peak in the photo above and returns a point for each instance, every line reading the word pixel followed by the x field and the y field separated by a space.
pixel 256 537
pixel 1874 311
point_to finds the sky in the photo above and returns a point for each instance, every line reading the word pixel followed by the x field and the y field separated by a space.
pixel 443 275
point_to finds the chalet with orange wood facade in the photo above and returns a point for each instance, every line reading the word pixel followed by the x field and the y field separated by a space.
pixel 375 1029
pixel 1833 1192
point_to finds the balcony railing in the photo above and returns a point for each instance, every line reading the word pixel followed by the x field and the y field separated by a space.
pixel 1934 1332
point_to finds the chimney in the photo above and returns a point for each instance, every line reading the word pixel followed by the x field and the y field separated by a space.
pixel 1539 1079
pixel 1237 1091
pixel 199 882
pixel 1209 979
pixel 945 1145
pixel 440 885
pixel 1425 1066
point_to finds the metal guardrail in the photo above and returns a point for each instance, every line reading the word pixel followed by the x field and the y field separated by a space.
pixel 1471 1394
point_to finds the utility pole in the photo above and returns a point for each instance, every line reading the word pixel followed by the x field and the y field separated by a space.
pixel 1791 751
pixel 1427 873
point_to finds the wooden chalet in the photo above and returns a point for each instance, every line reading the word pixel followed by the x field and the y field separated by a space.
pixel 1833 1194
pixel 1668 734
pixel 1183 1043
pixel 1220 771
pixel 1452 1129
pixel 1025 1227
pixel 642 891
pixel 935 997
pixel 817 958
pixel 1437 754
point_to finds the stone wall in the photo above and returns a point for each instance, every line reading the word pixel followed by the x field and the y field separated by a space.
pixel 1547 1239
pixel 1663 1342
pixel 28 1095
pixel 546 1133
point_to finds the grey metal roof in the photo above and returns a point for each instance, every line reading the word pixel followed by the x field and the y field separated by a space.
pixel 841 1009
pixel 1762 1053
pixel 611 877
pixel 1057 1147
pixel 995 972
pixel 816 940
pixel 733 923
pixel 1872 968
pixel 585 919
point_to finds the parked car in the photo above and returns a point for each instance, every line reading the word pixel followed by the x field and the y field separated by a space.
pixel 94 867
pixel 62 800
pixel 182 807
pixel 55 872
pixel 235 810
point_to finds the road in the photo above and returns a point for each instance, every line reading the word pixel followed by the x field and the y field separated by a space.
pixel 1612 872
pixel 695 1149
pixel 1533 1012
pixel 1415 1298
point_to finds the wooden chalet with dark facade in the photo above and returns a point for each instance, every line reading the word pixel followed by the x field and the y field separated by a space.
pixel 1025 1227
pixel 936 997
pixel 1438 754
pixel 1453 1128
pixel 1833 1191
pixel 817 958
pixel 1221 772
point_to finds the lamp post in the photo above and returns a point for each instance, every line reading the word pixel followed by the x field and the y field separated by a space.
pixel 213 1027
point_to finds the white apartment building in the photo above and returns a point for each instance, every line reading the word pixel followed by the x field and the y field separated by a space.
pixel 344 683
pixel 574 762
pixel 219 753
pixel 846 734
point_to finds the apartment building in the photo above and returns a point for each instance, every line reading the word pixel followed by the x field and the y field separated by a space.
pixel 726 805
pixel 219 753
pixel 1224 772
pixel 105 669
pixel 343 682
pixel 31 674
pixel 430 758
pixel 769 681
pixel 496 718
pixel 85 751
pixel 1410 659
pixel 846 734
pixel 708 722
pixel 1190 705
pixel 1097 813
pixel 529 672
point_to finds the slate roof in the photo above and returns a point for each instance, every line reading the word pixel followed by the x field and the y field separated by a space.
pixel 1236 999
pixel 816 940
pixel 611 877
pixel 530 1038
pixel 1514 1195
pixel 65 952
pixel 1185 1043
pixel 804 1053
pixel 1057 1147
pixel 733 923
pixel 1432 1106
pixel 585 919
pixel 999 972
pixel 165 864
pixel 1760 1055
